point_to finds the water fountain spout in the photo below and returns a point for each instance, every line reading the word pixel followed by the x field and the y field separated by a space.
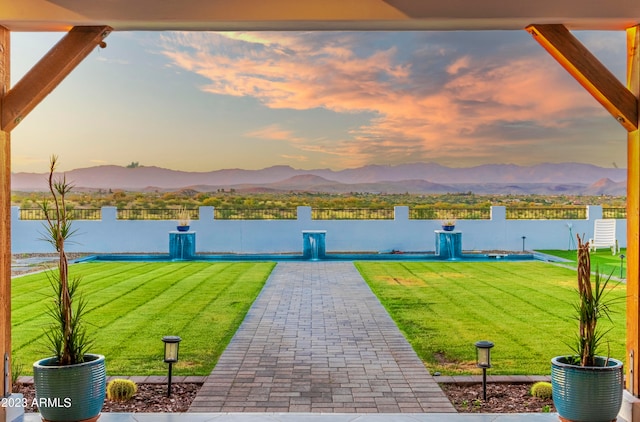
pixel 313 244
pixel 182 245
pixel 449 245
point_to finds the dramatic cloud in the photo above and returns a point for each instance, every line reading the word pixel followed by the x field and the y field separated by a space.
pixel 424 96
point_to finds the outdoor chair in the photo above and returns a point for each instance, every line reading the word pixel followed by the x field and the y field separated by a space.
pixel 604 235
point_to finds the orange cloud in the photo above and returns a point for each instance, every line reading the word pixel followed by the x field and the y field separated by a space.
pixel 475 106
pixel 275 133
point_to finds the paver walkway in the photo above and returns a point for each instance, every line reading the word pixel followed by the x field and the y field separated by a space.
pixel 318 340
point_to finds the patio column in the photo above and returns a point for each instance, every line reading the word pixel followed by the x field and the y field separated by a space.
pixel 633 221
pixel 5 222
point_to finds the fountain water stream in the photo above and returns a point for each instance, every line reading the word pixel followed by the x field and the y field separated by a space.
pixel 313 243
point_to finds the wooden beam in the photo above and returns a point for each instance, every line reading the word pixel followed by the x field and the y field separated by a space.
pixel 589 72
pixel 633 221
pixel 5 222
pixel 49 72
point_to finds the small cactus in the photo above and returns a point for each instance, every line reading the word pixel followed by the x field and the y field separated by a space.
pixel 541 390
pixel 121 389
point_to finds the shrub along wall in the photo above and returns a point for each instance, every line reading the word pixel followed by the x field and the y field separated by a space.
pixel 402 233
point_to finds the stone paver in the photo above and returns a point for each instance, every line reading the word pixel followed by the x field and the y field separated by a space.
pixel 318 340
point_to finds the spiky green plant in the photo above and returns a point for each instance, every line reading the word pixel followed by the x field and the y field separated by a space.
pixel 542 389
pixel 591 306
pixel 67 337
pixel 121 390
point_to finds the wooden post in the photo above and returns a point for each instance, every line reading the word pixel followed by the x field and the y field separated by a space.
pixel 623 104
pixel 5 224
pixel 633 221
pixel 15 104
pixel 589 72
pixel 45 75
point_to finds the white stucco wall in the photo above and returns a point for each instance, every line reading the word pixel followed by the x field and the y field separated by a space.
pixel 110 235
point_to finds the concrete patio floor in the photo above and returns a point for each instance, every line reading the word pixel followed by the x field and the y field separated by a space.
pixel 319 417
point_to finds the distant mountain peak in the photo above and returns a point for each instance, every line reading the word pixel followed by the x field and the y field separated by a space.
pixel 605 181
pixel 305 179
pixel 415 177
pixel 606 186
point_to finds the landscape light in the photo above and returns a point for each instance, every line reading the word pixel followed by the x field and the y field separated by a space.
pixel 171 346
pixel 483 360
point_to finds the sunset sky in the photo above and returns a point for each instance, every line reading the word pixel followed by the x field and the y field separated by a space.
pixel 201 101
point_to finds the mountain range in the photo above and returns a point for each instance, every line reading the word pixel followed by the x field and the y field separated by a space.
pixel 556 178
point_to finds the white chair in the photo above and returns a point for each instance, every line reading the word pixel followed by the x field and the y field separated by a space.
pixel 604 235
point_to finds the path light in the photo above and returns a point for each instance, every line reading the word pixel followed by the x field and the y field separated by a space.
pixel 621 264
pixel 523 239
pixel 171 346
pixel 483 360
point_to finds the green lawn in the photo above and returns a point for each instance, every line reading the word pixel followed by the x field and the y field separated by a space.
pixel 133 305
pixel 602 259
pixel 525 308
pixel 442 308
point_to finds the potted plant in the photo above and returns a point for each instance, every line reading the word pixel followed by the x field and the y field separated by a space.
pixel 449 224
pixel 184 219
pixel 70 385
pixel 588 387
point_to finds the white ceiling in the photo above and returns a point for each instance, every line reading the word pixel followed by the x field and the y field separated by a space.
pixel 61 15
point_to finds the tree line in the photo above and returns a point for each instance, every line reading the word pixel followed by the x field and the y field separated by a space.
pixel 277 200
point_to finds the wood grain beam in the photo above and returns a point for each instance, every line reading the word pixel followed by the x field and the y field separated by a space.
pixel 49 72
pixel 5 220
pixel 633 221
pixel 589 72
